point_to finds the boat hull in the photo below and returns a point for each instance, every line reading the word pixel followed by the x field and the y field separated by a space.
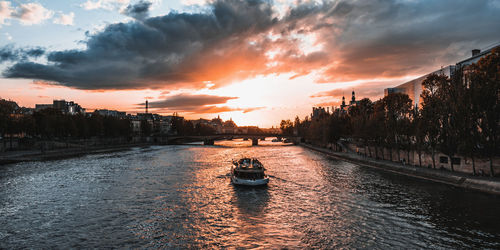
pixel 246 182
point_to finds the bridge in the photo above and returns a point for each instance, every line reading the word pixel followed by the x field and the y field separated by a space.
pixel 210 139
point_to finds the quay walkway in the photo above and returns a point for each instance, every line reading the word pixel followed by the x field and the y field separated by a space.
pixel 478 183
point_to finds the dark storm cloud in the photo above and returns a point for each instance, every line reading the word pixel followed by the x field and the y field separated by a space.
pixel 175 49
pixel 196 104
pixel 375 39
pixel 359 40
pixel 185 100
pixel 139 10
pixel 9 53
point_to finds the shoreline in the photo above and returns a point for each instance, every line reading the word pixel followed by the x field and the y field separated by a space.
pixel 476 183
pixel 63 153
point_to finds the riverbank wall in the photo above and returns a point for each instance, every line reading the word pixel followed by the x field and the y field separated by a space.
pixel 442 161
pixel 483 184
pixel 62 153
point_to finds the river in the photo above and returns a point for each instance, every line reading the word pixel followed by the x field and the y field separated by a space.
pixel 181 197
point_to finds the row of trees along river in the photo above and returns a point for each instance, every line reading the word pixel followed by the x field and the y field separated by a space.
pixel 459 115
pixel 52 124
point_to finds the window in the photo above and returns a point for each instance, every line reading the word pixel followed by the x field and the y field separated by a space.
pixel 455 160
pixel 443 159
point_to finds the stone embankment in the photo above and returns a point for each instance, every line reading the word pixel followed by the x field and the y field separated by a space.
pixel 478 183
pixel 37 155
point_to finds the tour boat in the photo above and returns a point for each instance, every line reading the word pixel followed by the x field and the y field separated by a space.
pixel 249 172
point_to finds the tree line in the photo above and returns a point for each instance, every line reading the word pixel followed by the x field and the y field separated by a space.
pixel 50 123
pixel 459 115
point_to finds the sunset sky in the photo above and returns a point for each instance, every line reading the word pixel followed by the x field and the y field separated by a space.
pixel 257 62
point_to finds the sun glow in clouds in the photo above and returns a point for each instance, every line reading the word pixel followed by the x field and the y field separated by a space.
pixel 267 60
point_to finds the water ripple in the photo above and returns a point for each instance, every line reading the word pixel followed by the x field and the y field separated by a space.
pixel 181 197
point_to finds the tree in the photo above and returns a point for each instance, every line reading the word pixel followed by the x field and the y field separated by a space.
pixel 469 132
pixel 484 81
pixel 452 116
pixel 286 127
pixel 431 112
pixel 360 115
pixel 339 127
pixel 6 110
pixel 204 129
pixel 49 123
pixel 397 108
pixel 418 127
pixel 377 125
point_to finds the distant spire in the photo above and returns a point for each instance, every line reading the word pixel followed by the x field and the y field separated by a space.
pixel 353 96
pixel 147 106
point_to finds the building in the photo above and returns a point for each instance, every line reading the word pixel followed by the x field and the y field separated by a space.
pixel 317 112
pixel 136 126
pixel 352 102
pixel 63 106
pixel 165 124
pixel 414 87
pixel 200 121
pixel 113 113
pixel 39 107
pixel 476 55
pixel 344 107
pixel 159 124
pixel 217 123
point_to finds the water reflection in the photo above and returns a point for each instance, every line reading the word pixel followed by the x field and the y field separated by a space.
pixel 181 197
pixel 251 201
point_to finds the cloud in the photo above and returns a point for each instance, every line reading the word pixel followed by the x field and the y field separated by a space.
pixel 185 100
pixel 237 39
pixel 330 93
pixel 65 19
pixel 328 104
pixel 27 13
pixel 10 53
pixel 212 109
pixel 139 11
pixel 390 39
pixel 5 11
pixel 105 4
pixel 194 2
pixel 247 110
pixel 366 89
pixel 32 13
pixel 196 104
pixel 178 49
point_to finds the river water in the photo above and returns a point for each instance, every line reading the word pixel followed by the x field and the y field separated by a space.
pixel 181 197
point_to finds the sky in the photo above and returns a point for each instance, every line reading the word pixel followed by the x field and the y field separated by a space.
pixel 254 61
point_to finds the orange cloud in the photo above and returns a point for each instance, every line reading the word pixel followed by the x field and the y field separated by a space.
pixel 235 40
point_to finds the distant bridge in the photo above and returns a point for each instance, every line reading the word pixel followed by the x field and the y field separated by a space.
pixel 210 139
